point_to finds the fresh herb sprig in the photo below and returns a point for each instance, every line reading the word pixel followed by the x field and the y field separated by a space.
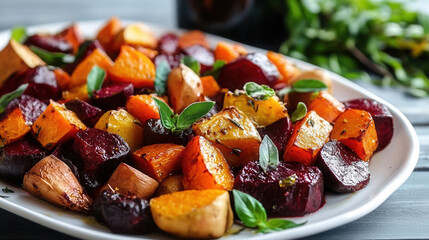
pixel 258 92
pixel 192 64
pixel 215 71
pixel 53 58
pixel 95 80
pixel 7 190
pixel 7 98
pixel 162 71
pixel 268 155
pixel 19 34
pixel 299 113
pixel 304 86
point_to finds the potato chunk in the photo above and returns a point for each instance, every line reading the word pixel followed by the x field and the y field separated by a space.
pixel 193 214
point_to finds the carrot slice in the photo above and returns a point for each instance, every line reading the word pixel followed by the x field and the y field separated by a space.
pixel 326 106
pixel 283 65
pixel 193 37
pixel 210 86
pixel 97 57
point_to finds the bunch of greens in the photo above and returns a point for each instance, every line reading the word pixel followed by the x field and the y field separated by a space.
pixel 373 40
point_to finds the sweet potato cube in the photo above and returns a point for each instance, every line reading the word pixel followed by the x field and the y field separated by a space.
pixel 107 33
pixel 308 137
pixel 228 52
pixel 210 86
pixel 135 34
pixel 56 125
pixel 159 160
pixel 285 67
pixel 142 107
pixel 326 106
pixel 193 37
pixel 355 129
pixel 72 35
pixel 233 133
pixel 63 78
pixel 129 181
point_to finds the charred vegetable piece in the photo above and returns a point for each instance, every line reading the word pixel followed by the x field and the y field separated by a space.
pixel 19 157
pixel 292 189
pixel 107 33
pixel 112 96
pixel 343 171
pixel 123 214
pixel 308 137
pixel 154 132
pixel 204 167
pixel 279 132
pixel 56 125
pixel 87 113
pixel 326 106
pixel 143 107
pixel 202 55
pixel 169 44
pixel 52 180
pixel 135 34
pixel 383 119
pixel 355 129
pixel 194 214
pixel 170 185
pixel 254 67
pixel 159 160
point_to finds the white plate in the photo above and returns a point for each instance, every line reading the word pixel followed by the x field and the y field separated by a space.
pixel 389 169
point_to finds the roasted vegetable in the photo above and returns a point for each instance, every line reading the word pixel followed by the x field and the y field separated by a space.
pixel 193 38
pixel 285 67
pixel 326 106
pixel 193 214
pixel 72 35
pixel 87 113
pixel 202 55
pixel 168 44
pixel 50 43
pixel 279 132
pixel 170 185
pixel 210 86
pixel 135 34
pixel 112 96
pixel 154 132
pixel 79 92
pixel 228 52
pixel 108 32
pixel 142 107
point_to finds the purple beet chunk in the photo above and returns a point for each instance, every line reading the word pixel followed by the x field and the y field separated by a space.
pixel 155 132
pixel 292 189
pixel 112 96
pixel 168 44
pixel 383 119
pixel 18 157
pixel 254 67
pixel 87 113
pixel 279 132
pixel 343 171
pixel 203 55
pixel 85 49
pixel 50 43
pixel 30 107
pixel 123 214
pixel 101 152
pixel 173 60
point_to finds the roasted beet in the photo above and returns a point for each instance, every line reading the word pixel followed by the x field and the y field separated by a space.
pixel 383 119
pixel 123 214
pixel 154 132
pixel 254 67
pixel 203 55
pixel 343 171
pixel 19 157
pixel 87 113
pixel 50 43
pixel 169 44
pixel 112 96
pixel 292 189
pixel 279 132
pixel 173 60
pixel 30 107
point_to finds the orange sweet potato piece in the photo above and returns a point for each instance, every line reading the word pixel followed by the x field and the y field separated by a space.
pixel 56 125
pixel 285 67
pixel 79 92
pixel 150 53
pixel 142 107
pixel 132 66
pixel 228 52
pixel 355 129
pixel 308 137
pixel 72 35
pixel 159 160
pixel 13 127
pixel 63 78
pixel 210 86
pixel 193 37
pixel 135 34
pixel 326 106
pixel 204 166
pixel 97 57
pixel 107 33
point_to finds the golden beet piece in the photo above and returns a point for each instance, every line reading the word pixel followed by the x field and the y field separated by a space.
pixel 210 86
pixel 170 185
pixel 308 137
pixel 143 107
pixel 355 129
pixel 108 32
pixel 135 34
pixel 233 133
pixel 79 92
pixel 56 125
pixel 326 106
pixel 193 37
pixel 159 160
pixel 13 127
pixel 285 67
pixel 228 52
pixel 204 166
pixel 193 214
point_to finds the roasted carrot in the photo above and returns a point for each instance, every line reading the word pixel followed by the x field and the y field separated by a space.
pixel 72 35
pixel 284 66
pixel 150 53
pixel 193 37
pixel 13 126
pixel 228 52
pixel 326 106
pixel 63 78
pixel 142 107
pixel 210 86
pixel 107 33
pixel 135 34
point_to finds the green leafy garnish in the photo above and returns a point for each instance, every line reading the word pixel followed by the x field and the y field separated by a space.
pixel 258 92
pixel 268 155
pixel 2 196
pixel 178 123
pixel 53 58
pixel 299 113
pixel 309 85
pixel 161 75
pixel 192 64
pixel 95 79
pixel 19 34
pixel 7 190
pixel 7 98
pixel 215 71
pixel 253 214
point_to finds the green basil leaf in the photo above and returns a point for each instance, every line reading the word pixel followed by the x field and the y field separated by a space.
pixel 258 92
pixel 19 34
pixel 192 64
pixel 216 69
pixel 8 97
pixel 279 224
pixel 249 210
pixel 309 85
pixel 268 155
pixel 53 58
pixel 168 119
pixel 82 49
pixel 192 113
pixel 299 113
pixel 95 79
pixel 161 75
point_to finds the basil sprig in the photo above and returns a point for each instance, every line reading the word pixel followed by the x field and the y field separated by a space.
pixel 299 113
pixel 258 92
pixel 7 98
pixel 304 86
pixel 53 58
pixel 268 155
pixel 19 34
pixel 161 76
pixel 178 123
pixel 253 214
pixel 192 64
pixel 215 71
pixel 95 79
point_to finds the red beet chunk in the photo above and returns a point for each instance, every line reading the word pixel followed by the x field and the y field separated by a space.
pixel 279 132
pixel 343 171
pixel 112 96
pixel 254 67
pixel 292 189
pixel 18 157
pixel 155 132
pixel 30 107
pixel 383 119
pixel 203 55
pixel 173 60
pixel 169 44
pixel 87 113
pixel 50 43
